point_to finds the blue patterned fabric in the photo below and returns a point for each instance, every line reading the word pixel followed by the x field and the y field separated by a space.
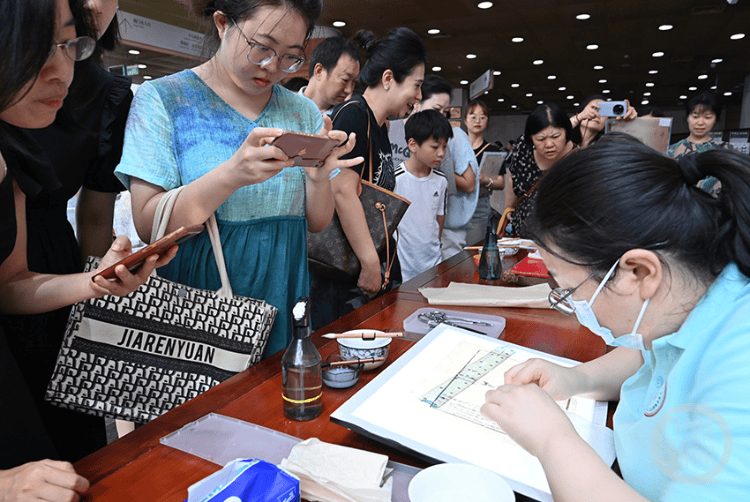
pixel 178 131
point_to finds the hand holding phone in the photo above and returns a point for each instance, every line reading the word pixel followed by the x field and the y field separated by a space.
pixel 135 260
pixel 613 108
pixel 307 150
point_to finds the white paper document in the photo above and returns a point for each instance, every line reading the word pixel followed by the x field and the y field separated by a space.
pixel 429 400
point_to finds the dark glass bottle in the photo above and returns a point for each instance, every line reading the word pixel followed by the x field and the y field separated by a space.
pixel 301 370
pixel 490 264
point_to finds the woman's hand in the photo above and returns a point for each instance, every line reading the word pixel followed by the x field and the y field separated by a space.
pixel 557 381
pixel 370 281
pixel 528 415
pixel 333 161
pixel 630 113
pixel 126 281
pixel 43 480
pixel 590 112
pixel 256 160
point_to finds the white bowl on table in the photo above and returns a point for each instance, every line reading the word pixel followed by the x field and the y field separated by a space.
pixel 452 482
pixel 357 348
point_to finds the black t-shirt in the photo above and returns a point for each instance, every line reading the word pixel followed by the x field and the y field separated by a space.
pixel 353 116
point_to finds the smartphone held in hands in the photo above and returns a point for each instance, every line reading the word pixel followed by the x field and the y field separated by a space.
pixel 307 150
pixel 135 260
pixel 613 108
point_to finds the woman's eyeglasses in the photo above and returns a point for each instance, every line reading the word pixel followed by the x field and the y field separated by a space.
pixel 559 299
pixel 76 49
pixel 261 55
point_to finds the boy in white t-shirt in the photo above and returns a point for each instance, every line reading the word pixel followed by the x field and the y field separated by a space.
pixel 418 180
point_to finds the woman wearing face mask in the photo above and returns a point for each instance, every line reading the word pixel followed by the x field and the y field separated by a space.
pixel 192 129
pixel 702 113
pixel 392 79
pixel 545 141
pixel 588 125
pixel 672 293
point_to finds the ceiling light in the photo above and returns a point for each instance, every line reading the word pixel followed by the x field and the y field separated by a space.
pixel 653 72
pixel 142 66
pixel 692 88
pixel 537 62
pixel 644 102
pixel 134 52
pixel 605 91
pixel 496 72
pixel 592 47
pixel 598 67
pixel 657 54
pixel 602 80
pixel 737 36
pixel 515 85
pixel 464 82
pixel 501 100
pixel 561 88
pixel 647 94
pixel 341 24
pixel 540 102
pixel 485 5
pixel 713 87
pixel 571 97
pixel 583 17
pixel 471 56
pixel 727 94
pixel 486 92
pixel 649 84
pixel 513 106
pixel 576 104
pixel 433 31
pixel 516 40
pixel 683 96
pixel 702 77
pixel 665 27
pixel 551 77
pixel 146 77
pixel 716 61
pixel 436 68
pixel 529 95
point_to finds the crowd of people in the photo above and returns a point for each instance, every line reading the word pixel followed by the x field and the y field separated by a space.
pixel 661 241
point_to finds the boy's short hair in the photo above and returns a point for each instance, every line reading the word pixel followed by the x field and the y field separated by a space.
pixel 427 124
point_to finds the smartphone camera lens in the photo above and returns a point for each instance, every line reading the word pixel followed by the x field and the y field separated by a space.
pixel 618 109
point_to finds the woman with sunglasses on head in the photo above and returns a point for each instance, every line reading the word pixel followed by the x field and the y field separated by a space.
pixel 392 80
pixel 660 270
pixel 209 129
pixel 82 148
pixel 34 79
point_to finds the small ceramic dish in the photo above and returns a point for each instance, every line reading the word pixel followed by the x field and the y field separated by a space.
pixel 340 377
pixel 451 482
pixel 353 348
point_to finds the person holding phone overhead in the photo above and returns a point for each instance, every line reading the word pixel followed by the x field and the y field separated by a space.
pixel 392 79
pixel 588 125
pixel 209 129
pixel 40 40
pixel 660 270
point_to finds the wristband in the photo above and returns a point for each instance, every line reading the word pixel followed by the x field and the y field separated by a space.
pixel 334 173
pixel 488 185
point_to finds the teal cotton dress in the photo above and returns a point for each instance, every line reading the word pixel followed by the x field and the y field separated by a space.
pixel 178 130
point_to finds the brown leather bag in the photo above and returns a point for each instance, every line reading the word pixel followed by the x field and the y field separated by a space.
pixel 329 253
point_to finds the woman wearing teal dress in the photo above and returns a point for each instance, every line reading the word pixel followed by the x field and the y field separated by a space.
pixel 208 129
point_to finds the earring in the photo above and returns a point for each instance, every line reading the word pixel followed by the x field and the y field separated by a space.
pixel 386 87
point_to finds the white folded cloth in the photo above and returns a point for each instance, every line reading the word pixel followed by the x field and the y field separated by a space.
pixel 479 295
pixel 334 473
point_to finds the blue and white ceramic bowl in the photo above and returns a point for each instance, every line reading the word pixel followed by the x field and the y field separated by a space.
pixel 353 348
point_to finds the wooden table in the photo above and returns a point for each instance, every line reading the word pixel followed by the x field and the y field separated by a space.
pixel 137 467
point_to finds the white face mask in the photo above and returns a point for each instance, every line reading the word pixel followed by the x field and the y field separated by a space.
pixel 586 317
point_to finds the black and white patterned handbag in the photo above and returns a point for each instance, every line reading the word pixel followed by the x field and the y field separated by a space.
pixel 138 356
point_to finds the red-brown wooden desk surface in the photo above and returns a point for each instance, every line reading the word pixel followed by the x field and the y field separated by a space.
pixel 137 467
